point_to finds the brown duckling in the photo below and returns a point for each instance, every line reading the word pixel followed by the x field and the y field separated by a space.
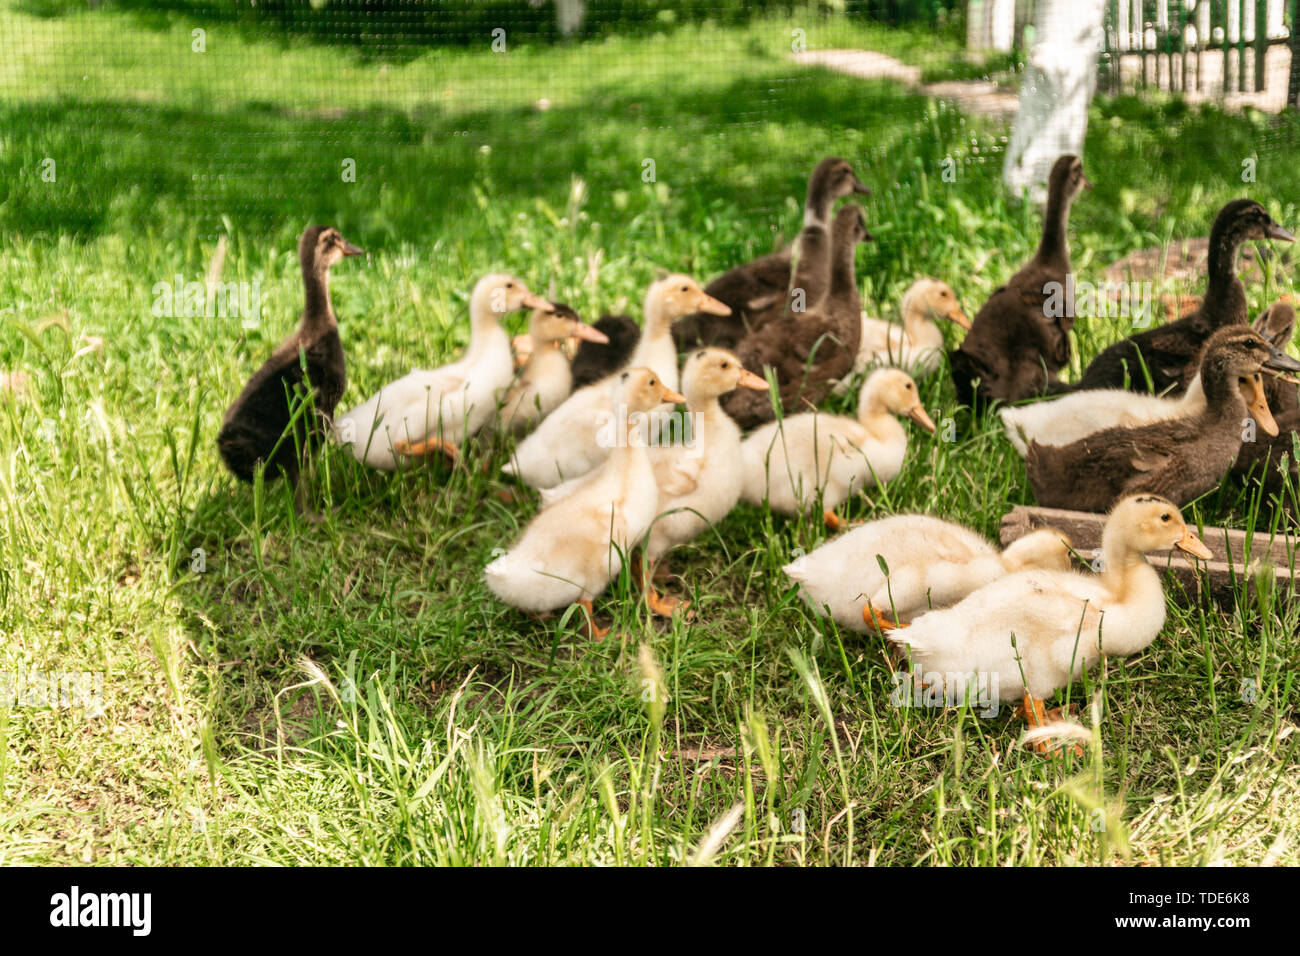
pixel 1015 347
pixel 756 286
pixel 1167 351
pixel 1260 461
pixel 809 351
pixel 1179 458
pixel 596 360
pixel 253 430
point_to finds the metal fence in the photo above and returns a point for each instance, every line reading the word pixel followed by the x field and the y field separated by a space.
pixel 1210 47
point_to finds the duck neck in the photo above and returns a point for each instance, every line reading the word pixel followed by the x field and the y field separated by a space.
pixel 1225 297
pixel 876 418
pixel 1054 247
pixel 1223 402
pixel 918 325
pixel 318 312
pixel 655 349
pixel 844 276
pixel 486 334
pixel 817 205
pixel 1126 569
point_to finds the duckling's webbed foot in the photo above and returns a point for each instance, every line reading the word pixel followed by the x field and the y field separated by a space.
pixel 426 448
pixel 594 632
pixel 1037 715
pixel 874 618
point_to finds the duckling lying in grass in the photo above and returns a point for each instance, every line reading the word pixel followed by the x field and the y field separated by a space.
pixel 254 429
pixel 573 548
pixel 931 564
pixel 916 345
pixel 1181 458
pixel 546 380
pixel 1032 632
pixel 793 461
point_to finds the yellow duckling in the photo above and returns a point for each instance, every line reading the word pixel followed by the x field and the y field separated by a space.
pixel 700 480
pixel 792 461
pixel 916 345
pixel 573 548
pixel 546 378
pixel 566 445
pixel 1032 632
pixel 931 564
pixel 433 410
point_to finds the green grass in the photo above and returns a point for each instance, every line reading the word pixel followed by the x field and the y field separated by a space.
pixel 433 724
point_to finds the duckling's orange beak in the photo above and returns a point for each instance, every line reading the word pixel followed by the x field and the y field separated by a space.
pixel 1257 403
pixel 581 330
pixel 918 415
pixel 959 317
pixel 675 397
pixel 749 380
pixel 1193 545
pixel 532 300
pixel 712 306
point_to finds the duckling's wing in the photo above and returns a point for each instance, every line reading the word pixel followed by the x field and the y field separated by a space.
pixel 676 471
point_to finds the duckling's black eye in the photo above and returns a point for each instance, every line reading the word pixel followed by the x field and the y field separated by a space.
pixel 726 365
pixel 1165 516
pixel 510 285
pixel 683 288
pixel 908 386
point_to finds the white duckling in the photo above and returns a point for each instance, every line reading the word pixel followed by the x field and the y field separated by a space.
pixel 791 462
pixel 434 410
pixel 546 378
pixel 699 480
pixel 917 345
pixel 573 548
pixel 932 564
pixel 1032 632
pixel 565 444
pixel 1065 420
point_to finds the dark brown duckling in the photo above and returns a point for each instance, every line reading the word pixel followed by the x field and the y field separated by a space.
pixel 253 430
pixel 1179 458
pixel 1168 351
pixel 1260 461
pixel 758 285
pixel 1015 347
pixel 594 361
pixel 809 351
pixel 1277 325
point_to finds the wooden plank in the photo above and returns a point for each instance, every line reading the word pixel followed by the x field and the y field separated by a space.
pixel 1238 555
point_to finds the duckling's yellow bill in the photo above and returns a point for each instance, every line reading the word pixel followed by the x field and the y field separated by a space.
pixel 750 380
pixel 1257 402
pixel 677 398
pixel 918 415
pixel 534 301
pixel 1193 545
pixel 712 306
pixel 581 330
pixel 958 317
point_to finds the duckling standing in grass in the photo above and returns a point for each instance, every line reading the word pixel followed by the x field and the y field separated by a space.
pixel 1017 345
pixel 700 481
pixel 916 346
pixel 793 461
pixel 544 382
pixel 1181 458
pixel 808 351
pixel 564 446
pixel 752 289
pixel 1168 352
pixel 931 564
pixel 573 548
pixel 254 429
pixel 1032 632
pixel 433 411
